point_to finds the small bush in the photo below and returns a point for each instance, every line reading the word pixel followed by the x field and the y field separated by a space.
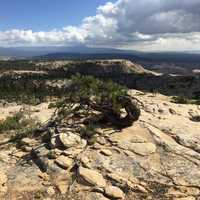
pixel 180 100
pixel 185 100
pixel 89 89
pixel 11 123
pixel 52 105
pixel 55 105
pixel 22 133
pixel 195 118
pixel 16 122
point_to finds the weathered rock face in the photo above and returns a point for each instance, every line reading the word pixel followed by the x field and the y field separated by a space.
pixel 106 152
pixel 96 196
pixel 28 142
pixel 64 162
pixel 143 149
pixel 114 192
pixel 69 139
pixel 101 67
pixel 122 71
pixel 156 158
pixel 92 177
pixel 3 183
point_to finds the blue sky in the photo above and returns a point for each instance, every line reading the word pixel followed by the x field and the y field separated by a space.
pixel 147 25
pixel 45 14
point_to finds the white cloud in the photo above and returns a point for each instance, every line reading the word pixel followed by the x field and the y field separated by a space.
pixel 137 24
pixel 108 9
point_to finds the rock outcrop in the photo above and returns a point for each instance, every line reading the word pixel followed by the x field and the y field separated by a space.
pixel 92 177
pixel 158 157
pixel 55 76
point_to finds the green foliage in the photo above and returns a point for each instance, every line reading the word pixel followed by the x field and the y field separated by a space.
pixel 18 65
pixel 102 93
pixel 32 88
pixel 22 133
pixel 180 100
pixel 185 100
pixel 16 122
pixel 91 101
pixel 11 123
pixel 55 104
pixel 39 195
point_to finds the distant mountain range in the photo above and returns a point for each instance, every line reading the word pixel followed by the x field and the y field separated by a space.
pixel 83 52
pixel 23 52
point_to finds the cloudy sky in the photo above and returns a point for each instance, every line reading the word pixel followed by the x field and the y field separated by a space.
pixel 149 25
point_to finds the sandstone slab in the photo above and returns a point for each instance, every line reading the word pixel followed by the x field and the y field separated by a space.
pixel 69 139
pixel 96 196
pixel 3 182
pixel 64 162
pixel 106 152
pixel 92 177
pixel 143 149
pixel 114 192
pixel 28 142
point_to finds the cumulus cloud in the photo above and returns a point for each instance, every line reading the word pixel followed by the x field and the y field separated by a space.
pixel 130 24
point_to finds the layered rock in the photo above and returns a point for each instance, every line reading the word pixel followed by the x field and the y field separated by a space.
pixel 156 158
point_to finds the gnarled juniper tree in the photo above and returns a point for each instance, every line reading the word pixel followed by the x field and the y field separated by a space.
pixel 90 95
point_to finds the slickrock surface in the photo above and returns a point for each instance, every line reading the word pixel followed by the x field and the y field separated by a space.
pixel 92 177
pixel 156 158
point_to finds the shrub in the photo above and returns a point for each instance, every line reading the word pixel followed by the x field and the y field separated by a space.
pixel 16 122
pixel 180 100
pixel 86 89
pixel 55 104
pixel 11 123
pixel 90 98
pixel 185 100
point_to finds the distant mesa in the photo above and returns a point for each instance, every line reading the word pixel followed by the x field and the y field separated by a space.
pixel 196 71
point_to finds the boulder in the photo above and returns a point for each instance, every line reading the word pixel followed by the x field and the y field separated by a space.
pixel 69 139
pixel 85 161
pixel 28 142
pixel 106 152
pixel 64 162
pixel 72 152
pixel 101 140
pixel 82 144
pixel 114 192
pixel 97 146
pixel 92 177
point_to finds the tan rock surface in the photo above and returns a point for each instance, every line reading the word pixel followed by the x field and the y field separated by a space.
pixel 156 158
pixel 64 162
pixel 92 177
pixel 3 182
pixel 69 139
pixel 114 192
